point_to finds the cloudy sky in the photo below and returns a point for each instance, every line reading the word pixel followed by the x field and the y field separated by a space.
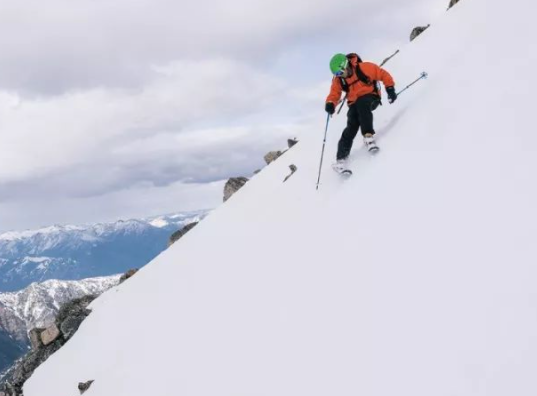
pixel 129 108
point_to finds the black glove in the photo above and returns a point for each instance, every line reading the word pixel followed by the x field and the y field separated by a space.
pixel 330 108
pixel 392 96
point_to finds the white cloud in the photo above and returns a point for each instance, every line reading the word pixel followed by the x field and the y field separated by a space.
pixel 137 201
pixel 58 45
pixel 42 136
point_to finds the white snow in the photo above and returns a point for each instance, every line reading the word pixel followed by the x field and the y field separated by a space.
pixel 415 277
pixel 159 222
pixel 51 230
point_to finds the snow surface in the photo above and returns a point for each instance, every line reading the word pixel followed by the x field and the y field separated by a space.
pixel 414 277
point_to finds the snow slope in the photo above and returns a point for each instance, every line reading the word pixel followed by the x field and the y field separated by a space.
pixel 414 277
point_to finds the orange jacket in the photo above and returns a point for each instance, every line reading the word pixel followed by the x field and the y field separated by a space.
pixel 357 88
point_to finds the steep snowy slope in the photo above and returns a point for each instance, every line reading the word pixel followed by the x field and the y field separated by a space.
pixel 415 277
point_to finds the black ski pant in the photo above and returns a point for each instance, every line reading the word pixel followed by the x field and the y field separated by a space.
pixel 360 114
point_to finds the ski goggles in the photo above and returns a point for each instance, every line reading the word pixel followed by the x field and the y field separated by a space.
pixel 342 69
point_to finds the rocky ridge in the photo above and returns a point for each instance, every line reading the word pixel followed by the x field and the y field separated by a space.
pixel 44 343
pixel 234 184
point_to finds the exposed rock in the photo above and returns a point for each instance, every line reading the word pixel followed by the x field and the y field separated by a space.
pixel 180 233
pixel 24 368
pixel 291 142
pixel 50 334
pixel 72 314
pixel 35 338
pixel 293 170
pixel 37 305
pixel 233 185
pixel 272 156
pixel 127 275
pixel 84 386
pixel 69 318
pixel 417 31
pixel 452 3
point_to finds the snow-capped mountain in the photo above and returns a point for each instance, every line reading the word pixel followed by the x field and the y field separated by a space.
pixel 37 306
pixel 78 252
pixel 414 277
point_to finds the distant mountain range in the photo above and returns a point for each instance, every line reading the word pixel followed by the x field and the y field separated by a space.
pixel 79 252
pixel 42 269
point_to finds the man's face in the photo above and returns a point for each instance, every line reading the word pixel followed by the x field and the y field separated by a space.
pixel 347 72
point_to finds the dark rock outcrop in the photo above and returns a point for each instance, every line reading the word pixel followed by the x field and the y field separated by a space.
pixel 417 31
pixel 180 233
pixel 84 386
pixel 233 185
pixel 293 170
pixel 72 314
pixel 291 142
pixel 272 156
pixel 236 183
pixel 128 275
pixel 67 322
pixel 50 334
pixel 452 3
pixel 35 338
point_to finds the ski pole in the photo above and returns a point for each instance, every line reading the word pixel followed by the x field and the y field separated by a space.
pixel 423 75
pixel 342 103
pixel 388 58
pixel 322 152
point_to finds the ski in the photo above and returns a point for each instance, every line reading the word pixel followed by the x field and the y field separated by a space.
pixel 371 145
pixel 343 171
pixel 341 167
pixel 374 150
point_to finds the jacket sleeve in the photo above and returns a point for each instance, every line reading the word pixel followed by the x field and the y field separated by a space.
pixel 384 76
pixel 335 92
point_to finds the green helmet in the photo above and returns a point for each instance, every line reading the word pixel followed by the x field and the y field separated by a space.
pixel 338 63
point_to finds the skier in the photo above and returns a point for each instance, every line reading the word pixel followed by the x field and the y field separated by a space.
pixel 359 80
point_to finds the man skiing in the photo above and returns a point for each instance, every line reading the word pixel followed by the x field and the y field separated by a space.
pixel 359 79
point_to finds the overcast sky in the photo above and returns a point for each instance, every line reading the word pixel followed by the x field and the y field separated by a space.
pixel 129 108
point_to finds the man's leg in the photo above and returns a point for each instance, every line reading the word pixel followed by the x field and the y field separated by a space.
pixel 348 135
pixel 365 114
pixel 364 107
